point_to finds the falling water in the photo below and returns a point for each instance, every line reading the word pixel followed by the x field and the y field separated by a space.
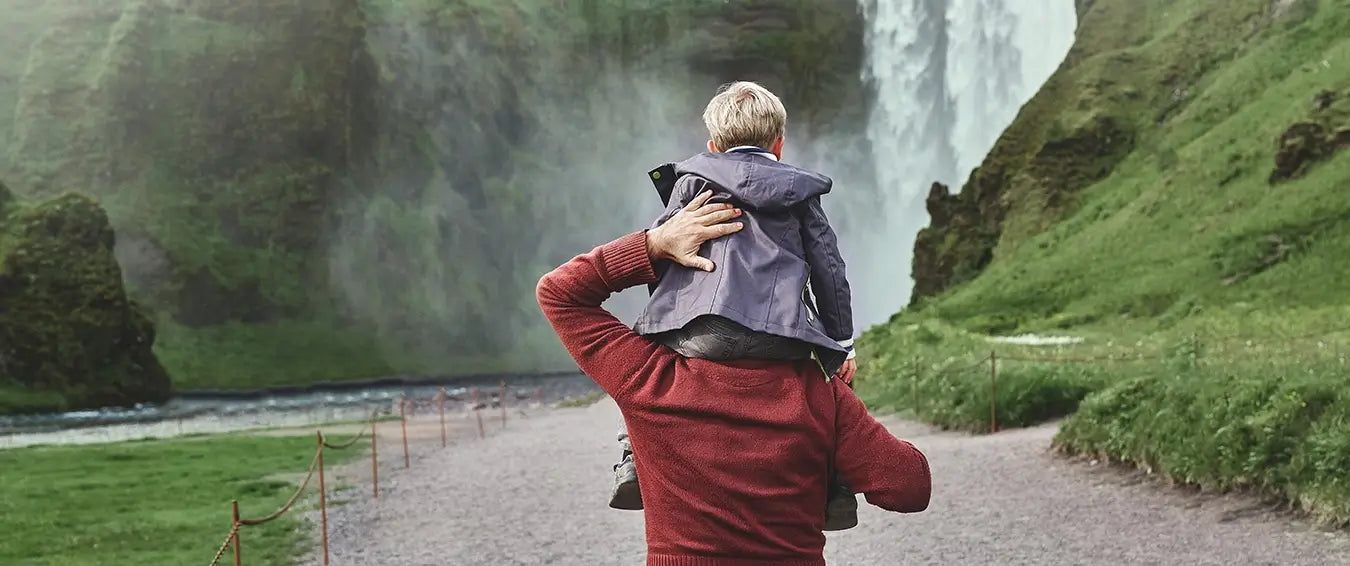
pixel 948 77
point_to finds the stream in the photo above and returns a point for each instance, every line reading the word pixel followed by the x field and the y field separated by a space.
pixel 215 412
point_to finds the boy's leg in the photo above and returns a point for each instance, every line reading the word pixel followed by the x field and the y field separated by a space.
pixel 626 494
pixel 841 511
pixel 713 337
pixel 706 337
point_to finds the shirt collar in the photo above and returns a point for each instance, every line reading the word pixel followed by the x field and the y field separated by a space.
pixel 752 149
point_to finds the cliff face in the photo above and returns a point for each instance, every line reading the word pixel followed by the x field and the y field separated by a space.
pixel 1124 75
pixel 375 179
pixel 211 130
pixel 1183 165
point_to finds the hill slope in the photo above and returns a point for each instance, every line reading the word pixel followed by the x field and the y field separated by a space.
pixel 1176 197
pixel 1183 160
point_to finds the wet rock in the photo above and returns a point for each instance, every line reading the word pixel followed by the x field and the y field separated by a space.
pixel 1305 144
pixel 66 325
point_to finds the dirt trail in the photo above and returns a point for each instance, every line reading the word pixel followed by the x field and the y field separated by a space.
pixel 535 494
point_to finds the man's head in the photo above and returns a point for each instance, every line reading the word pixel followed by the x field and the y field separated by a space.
pixel 744 113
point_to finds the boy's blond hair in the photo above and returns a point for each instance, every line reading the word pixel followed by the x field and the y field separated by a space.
pixel 744 113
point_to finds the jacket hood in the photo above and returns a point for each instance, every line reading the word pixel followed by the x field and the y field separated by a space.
pixel 756 180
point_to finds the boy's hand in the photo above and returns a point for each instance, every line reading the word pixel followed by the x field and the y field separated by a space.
pixel 679 238
pixel 847 370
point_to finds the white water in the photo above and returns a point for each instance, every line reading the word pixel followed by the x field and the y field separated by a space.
pixel 949 76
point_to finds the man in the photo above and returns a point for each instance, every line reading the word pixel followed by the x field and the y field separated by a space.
pixel 736 452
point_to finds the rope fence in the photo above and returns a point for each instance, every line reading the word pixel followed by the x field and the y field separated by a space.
pixel 1196 349
pixel 406 407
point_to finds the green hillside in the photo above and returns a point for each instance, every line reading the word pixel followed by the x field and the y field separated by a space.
pixel 315 190
pixel 1176 195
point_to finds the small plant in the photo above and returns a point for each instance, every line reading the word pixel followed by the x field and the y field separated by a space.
pixel 582 400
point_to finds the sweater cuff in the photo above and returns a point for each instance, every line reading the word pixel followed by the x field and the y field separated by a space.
pixel 624 262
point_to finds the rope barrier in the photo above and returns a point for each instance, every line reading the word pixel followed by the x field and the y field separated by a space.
pixel 1282 339
pixel 1253 348
pixel 405 405
pixel 314 465
pixel 349 443
pixel 234 532
pixel 1082 360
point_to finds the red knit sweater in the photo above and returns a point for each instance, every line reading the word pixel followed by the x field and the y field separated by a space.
pixel 733 457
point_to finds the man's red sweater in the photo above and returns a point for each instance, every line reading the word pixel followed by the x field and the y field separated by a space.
pixel 733 457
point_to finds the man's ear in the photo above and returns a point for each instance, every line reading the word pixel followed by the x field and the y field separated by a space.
pixel 712 146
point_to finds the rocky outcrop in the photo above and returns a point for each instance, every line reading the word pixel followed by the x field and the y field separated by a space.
pixel 1306 143
pixel 67 329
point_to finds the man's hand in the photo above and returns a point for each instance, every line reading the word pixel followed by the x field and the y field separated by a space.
pixel 847 370
pixel 679 238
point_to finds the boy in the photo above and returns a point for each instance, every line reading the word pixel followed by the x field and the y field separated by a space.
pixel 757 304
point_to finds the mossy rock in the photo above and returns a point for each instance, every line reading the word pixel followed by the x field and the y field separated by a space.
pixel 66 324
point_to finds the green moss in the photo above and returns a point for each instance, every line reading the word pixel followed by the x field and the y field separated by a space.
pixel 67 328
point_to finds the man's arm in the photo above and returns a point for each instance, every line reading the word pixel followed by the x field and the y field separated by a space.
pixel 891 473
pixel 828 280
pixel 605 348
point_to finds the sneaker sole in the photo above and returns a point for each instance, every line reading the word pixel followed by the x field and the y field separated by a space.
pixel 627 496
pixel 841 514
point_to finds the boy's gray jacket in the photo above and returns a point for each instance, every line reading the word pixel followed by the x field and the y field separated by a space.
pixel 762 272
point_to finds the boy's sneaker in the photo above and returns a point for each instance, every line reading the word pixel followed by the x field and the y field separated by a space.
pixel 626 495
pixel 841 512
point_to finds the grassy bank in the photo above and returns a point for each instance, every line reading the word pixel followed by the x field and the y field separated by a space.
pixel 1282 431
pixel 1208 405
pixel 151 502
pixel 941 374
pixel 297 353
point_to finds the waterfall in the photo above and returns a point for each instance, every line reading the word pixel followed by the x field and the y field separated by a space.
pixel 948 77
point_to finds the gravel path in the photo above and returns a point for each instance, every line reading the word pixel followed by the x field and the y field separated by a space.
pixel 535 493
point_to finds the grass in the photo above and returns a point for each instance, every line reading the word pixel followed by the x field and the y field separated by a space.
pixel 245 356
pixel 1216 292
pixel 1279 430
pixel 1187 222
pixel 1260 411
pixel 1186 234
pixel 18 399
pixel 151 502
pixel 582 400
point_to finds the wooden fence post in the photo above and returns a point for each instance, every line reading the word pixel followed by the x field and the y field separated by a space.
pixel 402 400
pixel 374 458
pixel 234 510
pixel 442 403
pixel 914 386
pixel 501 400
pixel 323 500
pixel 993 391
